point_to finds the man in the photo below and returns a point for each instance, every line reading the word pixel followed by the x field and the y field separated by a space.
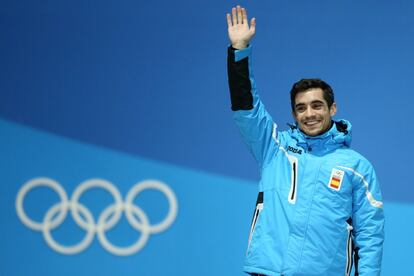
pixel 319 206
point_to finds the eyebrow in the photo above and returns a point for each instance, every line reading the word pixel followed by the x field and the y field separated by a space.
pixel 313 102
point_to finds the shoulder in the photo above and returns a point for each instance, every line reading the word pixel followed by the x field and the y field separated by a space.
pixel 355 162
pixel 361 159
pixel 284 137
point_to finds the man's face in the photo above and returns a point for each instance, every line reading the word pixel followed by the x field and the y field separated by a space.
pixel 312 113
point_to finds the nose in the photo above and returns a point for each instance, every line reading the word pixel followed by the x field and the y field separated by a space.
pixel 309 112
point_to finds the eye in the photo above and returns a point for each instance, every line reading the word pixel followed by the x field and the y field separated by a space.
pixel 300 109
pixel 317 106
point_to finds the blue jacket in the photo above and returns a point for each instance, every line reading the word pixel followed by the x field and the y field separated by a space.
pixel 319 208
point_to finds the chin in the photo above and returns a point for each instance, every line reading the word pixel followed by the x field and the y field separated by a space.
pixel 313 132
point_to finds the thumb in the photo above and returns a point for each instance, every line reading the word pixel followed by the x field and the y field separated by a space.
pixel 253 25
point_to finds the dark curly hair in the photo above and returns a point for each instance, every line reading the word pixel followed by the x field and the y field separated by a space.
pixel 306 84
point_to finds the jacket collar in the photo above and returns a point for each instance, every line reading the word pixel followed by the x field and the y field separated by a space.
pixel 339 135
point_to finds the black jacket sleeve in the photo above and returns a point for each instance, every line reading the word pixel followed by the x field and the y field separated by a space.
pixel 239 82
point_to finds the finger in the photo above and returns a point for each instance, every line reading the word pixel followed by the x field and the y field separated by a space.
pixel 239 15
pixel 253 25
pixel 229 24
pixel 244 14
pixel 234 16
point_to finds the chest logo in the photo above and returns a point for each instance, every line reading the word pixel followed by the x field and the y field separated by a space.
pixel 336 179
pixel 294 150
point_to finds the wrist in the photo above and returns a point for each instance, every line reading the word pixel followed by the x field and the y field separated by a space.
pixel 239 45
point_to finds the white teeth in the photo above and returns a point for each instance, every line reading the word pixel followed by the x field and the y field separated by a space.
pixel 311 123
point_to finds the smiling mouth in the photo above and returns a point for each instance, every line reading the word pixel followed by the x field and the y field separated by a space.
pixel 311 123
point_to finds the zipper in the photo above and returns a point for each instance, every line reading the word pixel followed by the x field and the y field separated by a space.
pixel 294 179
pixel 349 247
pixel 257 211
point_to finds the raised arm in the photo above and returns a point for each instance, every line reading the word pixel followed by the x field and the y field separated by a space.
pixel 255 124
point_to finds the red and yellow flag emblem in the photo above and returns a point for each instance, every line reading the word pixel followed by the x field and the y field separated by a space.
pixel 336 179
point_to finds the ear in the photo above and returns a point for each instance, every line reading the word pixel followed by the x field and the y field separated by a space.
pixel 332 110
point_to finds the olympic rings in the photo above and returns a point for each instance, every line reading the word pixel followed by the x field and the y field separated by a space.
pixel 108 218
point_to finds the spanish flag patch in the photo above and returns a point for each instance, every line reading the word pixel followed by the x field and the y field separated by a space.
pixel 336 179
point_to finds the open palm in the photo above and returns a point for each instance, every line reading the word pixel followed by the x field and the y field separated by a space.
pixel 240 33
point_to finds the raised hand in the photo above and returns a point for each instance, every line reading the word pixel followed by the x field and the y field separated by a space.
pixel 240 33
